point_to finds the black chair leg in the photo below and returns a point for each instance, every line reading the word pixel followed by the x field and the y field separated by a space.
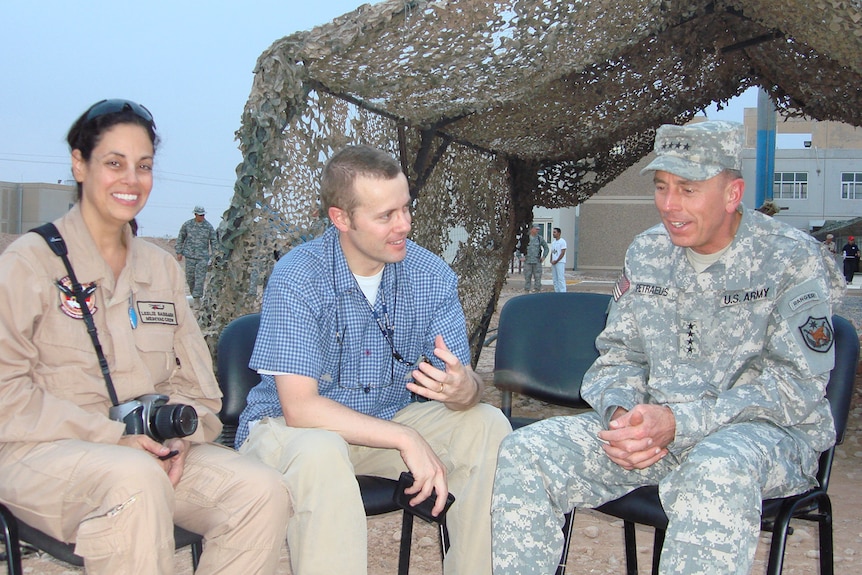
pixel 567 539
pixel 631 548
pixel 10 539
pixel 197 549
pixel 444 538
pixel 406 540
pixel 779 543
pixel 826 544
pixel 657 546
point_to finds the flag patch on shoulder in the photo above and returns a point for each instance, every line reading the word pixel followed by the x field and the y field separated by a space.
pixel 621 287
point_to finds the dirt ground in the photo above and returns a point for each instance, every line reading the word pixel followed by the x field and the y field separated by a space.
pixel 597 541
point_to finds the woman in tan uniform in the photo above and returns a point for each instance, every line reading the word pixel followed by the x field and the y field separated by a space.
pixel 67 468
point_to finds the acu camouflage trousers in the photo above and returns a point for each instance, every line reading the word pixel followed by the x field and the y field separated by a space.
pixel 196 273
pixel 533 274
pixel 711 493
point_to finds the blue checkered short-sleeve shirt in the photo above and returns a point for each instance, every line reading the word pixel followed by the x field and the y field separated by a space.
pixel 317 323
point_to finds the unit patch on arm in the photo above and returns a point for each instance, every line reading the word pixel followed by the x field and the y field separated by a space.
pixel 817 334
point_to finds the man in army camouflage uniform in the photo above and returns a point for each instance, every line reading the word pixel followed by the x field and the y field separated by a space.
pixel 537 250
pixel 196 242
pixel 710 383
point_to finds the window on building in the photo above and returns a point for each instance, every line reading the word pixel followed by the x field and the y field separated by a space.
pixel 851 185
pixel 790 186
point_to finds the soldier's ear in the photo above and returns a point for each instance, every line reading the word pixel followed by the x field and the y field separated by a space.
pixel 733 193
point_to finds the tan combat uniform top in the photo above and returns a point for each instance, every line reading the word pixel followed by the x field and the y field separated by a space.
pixel 51 386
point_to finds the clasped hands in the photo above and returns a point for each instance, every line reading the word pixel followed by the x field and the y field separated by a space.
pixel 638 438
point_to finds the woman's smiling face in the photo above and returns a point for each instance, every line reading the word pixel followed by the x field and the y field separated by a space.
pixel 117 180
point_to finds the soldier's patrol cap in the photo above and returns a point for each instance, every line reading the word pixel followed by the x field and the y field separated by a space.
pixel 698 151
pixel 200 211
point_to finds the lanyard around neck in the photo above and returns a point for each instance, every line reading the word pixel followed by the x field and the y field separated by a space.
pixel 385 324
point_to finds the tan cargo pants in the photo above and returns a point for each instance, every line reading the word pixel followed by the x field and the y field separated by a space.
pixel 117 504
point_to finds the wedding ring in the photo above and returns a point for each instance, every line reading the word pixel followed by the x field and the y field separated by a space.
pixel 441 389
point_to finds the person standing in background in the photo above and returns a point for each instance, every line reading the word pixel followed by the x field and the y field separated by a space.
pixel 196 241
pixel 558 261
pixel 829 244
pixel 850 253
pixel 536 252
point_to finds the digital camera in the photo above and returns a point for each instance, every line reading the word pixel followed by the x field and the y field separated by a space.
pixel 153 416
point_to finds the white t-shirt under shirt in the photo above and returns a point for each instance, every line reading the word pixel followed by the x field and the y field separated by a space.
pixel 369 285
pixel 702 261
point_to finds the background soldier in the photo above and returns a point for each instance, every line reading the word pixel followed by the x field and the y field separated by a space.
pixel 537 250
pixel 196 241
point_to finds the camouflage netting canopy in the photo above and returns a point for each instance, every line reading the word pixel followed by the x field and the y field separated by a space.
pixel 497 106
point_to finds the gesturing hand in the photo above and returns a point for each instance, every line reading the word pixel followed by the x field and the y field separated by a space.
pixel 457 385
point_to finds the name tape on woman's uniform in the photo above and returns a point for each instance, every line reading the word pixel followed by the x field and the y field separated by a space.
pixel 163 312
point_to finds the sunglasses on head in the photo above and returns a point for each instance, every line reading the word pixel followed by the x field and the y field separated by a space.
pixel 118 105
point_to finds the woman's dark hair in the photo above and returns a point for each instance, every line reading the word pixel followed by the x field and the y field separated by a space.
pixel 87 131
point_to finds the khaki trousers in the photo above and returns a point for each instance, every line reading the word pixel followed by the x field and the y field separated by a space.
pixel 328 531
pixel 117 504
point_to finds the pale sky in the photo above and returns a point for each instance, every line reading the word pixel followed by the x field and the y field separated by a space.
pixel 189 62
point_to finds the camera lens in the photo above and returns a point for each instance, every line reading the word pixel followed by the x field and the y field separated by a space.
pixel 176 420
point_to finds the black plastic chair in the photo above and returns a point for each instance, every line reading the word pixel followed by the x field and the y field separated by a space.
pixel 642 506
pixel 545 344
pixel 15 531
pixel 11 542
pixel 234 349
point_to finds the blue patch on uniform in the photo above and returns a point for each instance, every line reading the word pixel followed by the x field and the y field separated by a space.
pixel 817 333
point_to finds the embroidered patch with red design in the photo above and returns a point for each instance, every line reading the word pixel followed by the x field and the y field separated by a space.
pixel 817 333
pixel 621 287
pixel 68 303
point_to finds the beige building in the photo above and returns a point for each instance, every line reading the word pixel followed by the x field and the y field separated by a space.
pixel 611 219
pixel 26 206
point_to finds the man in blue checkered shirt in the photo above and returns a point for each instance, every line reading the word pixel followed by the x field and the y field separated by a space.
pixel 357 326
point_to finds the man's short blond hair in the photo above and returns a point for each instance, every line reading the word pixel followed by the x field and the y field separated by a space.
pixel 342 169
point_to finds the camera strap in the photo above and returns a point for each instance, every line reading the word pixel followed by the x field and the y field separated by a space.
pixel 51 235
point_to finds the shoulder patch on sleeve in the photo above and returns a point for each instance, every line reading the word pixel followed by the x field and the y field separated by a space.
pixel 818 334
pixel 621 287
pixel 809 298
